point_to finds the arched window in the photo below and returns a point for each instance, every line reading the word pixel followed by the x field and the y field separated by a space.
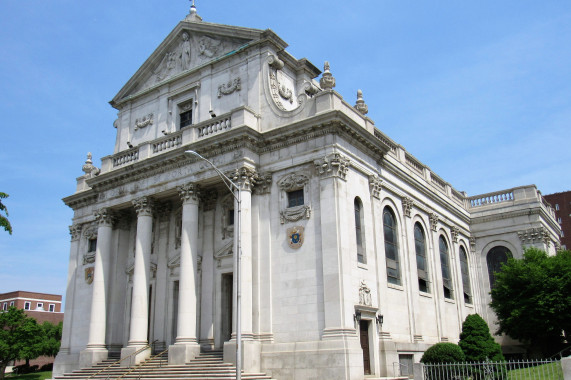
pixel 359 231
pixel 421 265
pixel 391 246
pixel 465 276
pixel 445 265
pixel 496 257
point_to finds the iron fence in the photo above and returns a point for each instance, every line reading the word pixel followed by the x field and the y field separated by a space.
pixel 549 369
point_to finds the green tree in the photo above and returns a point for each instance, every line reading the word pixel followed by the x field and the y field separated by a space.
pixel 4 222
pixel 52 339
pixel 443 353
pixel 532 299
pixel 20 336
pixel 476 341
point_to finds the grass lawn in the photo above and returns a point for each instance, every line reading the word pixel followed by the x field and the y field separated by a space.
pixel 551 371
pixel 31 376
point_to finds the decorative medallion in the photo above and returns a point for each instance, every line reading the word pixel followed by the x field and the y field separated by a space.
pixel 295 237
pixel 89 275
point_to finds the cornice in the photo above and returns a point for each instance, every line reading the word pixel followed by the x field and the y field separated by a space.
pixel 422 188
pixel 82 199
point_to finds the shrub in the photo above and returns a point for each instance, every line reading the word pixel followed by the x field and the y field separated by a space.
pixel 476 341
pixel 443 353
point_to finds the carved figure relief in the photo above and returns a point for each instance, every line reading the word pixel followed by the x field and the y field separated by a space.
pixel 144 121
pixel 282 87
pixel 293 181
pixel 230 87
pixel 293 214
pixel 365 294
pixel 209 47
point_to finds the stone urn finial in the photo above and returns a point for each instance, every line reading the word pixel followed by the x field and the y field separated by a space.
pixel 327 81
pixel 88 168
pixel 360 105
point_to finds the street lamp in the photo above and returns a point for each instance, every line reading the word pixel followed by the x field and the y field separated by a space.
pixel 231 186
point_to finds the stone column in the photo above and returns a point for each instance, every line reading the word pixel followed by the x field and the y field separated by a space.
pixel 63 363
pixel 207 299
pixel 141 272
pixel 186 346
pixel 244 178
pixel 96 349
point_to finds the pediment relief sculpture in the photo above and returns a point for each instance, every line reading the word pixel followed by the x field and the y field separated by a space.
pixel 189 50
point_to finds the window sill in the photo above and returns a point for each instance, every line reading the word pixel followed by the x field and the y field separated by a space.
pixel 362 266
pixel 425 294
pixel 395 287
pixel 449 300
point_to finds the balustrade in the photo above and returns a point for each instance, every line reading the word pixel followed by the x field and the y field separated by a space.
pixel 492 198
pixel 216 125
pixel 167 143
pixel 126 157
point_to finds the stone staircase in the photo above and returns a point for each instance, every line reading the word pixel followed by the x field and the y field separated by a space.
pixel 206 366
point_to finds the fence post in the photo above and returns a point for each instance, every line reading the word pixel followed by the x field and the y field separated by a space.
pixel 566 367
pixel 417 371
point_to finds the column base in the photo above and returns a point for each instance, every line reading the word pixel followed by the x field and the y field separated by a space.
pixel 182 353
pixel 130 359
pixel 65 362
pixel 91 356
pixel 251 354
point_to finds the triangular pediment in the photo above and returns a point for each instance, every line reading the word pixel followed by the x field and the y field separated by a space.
pixel 189 46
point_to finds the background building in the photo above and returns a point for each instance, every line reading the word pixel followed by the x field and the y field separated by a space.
pixel 561 203
pixel 355 255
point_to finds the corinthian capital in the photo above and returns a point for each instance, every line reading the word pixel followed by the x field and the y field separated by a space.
pixel 104 217
pixel 75 231
pixel 189 192
pixel 244 177
pixel 332 165
pixel 143 206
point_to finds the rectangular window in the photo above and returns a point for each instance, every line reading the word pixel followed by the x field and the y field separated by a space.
pixel 185 119
pixel 92 245
pixel 557 206
pixel 40 305
pixel 52 307
pixel 5 306
pixel 27 305
pixel 11 303
pixel 559 220
pixel 562 233
pixel 295 198
pixel 231 217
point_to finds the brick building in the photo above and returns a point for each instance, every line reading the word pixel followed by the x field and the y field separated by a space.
pixel 561 203
pixel 40 306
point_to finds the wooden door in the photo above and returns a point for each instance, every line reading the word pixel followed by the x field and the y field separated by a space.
pixel 364 335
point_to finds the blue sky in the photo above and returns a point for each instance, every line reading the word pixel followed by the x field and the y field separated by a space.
pixel 480 91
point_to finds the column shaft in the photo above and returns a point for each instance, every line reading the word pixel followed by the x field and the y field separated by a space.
pixel 140 298
pixel 98 320
pixel 186 329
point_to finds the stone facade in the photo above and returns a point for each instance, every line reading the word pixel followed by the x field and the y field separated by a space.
pixel 346 239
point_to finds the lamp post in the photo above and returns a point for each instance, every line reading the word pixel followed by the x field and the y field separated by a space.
pixel 231 186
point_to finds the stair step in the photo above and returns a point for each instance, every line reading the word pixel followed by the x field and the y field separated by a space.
pixel 208 365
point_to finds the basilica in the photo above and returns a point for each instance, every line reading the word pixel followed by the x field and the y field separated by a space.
pixel 246 199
